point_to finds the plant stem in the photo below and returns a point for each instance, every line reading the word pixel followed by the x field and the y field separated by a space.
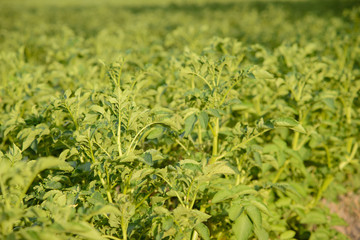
pixel 133 140
pixel 295 140
pixel 202 78
pixel 124 228
pixel 72 117
pixel 177 195
pixel 195 235
pixel 200 134
pixel 348 114
pixel 111 237
pixel 249 139
pixel 108 194
pixel 119 126
pixel 281 170
pixel 215 141
pixel 143 200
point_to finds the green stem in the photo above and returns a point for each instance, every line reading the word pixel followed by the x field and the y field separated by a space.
pixel 143 200
pixel 194 199
pixel 72 117
pixel 281 170
pixel 182 145
pixel 127 183
pixel 215 141
pixel 4 193
pixel 136 136
pixel 295 140
pixel 200 134
pixel 328 156
pixel 177 195
pixel 227 92
pixel 124 228
pixel 189 189
pixel 195 233
pixel 239 163
pixel 119 125
pixel 348 114
pixel 111 237
pixel 202 78
pixel 108 194
pixel 249 139
pixel 219 75
pixel 23 193
pixel 103 149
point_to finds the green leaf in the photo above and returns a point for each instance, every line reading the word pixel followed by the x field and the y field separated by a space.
pixel 262 74
pixel 314 217
pixel 106 209
pixel 83 229
pixel 287 235
pixel 190 123
pixel 235 211
pixel 222 196
pixel 203 119
pixel 261 233
pixel 261 206
pixel 250 75
pixel 140 174
pixel 148 158
pixel 67 93
pixel 98 109
pixel 242 227
pixel 214 112
pixel 225 194
pixel 289 123
pixel 29 139
pixel 203 231
pixel 255 215
pixel 50 162
pixel 320 234
pixel 220 167
pixel 155 132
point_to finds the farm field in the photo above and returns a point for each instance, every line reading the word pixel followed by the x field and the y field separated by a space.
pixel 179 120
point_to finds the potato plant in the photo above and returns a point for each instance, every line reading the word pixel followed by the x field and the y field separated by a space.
pixel 229 120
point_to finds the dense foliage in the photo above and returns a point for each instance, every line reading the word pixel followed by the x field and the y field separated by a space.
pixel 177 120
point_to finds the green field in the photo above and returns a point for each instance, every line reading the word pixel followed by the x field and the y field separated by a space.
pixel 177 119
